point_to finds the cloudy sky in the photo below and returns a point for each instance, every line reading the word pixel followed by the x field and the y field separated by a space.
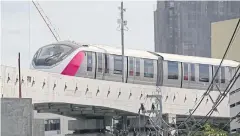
pixel 23 30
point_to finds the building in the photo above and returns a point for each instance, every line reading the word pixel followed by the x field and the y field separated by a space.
pixel 221 33
pixel 184 27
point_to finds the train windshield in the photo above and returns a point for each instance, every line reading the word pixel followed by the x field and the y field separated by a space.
pixel 51 55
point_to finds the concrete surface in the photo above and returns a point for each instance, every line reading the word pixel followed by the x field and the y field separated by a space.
pixel 16 117
pixel 38 127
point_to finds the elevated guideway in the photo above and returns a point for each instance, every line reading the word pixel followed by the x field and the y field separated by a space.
pixel 49 89
pixel 90 98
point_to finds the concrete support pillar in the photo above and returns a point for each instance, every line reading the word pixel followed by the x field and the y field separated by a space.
pixel 124 123
pixel 108 123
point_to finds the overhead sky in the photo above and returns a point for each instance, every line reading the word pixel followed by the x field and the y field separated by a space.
pixel 95 22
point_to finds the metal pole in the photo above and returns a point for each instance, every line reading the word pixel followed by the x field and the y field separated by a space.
pixel 122 41
pixel 144 123
pixel 139 123
pixel 160 113
pixel 19 76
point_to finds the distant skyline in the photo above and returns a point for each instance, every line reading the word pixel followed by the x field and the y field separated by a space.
pixel 23 29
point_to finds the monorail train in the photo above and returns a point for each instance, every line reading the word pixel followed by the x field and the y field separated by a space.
pixel 141 67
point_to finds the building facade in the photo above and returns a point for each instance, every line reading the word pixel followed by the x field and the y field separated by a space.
pixel 221 33
pixel 234 103
pixel 184 27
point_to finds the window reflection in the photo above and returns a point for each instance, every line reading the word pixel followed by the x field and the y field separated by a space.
pixel 148 68
pixel 100 63
pixel 117 64
pixel 192 72
pixel 223 75
pixel 89 61
pixel 218 74
pixel 131 67
pixel 106 63
pixel 137 67
pixel 51 54
pixel 203 73
pixel 172 70
pixel 185 71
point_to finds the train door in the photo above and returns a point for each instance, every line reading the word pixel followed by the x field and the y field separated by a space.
pixel 172 73
pixel 115 68
pixel 87 68
pixel 100 69
pixel 203 76
pixel 149 71
pixel 224 77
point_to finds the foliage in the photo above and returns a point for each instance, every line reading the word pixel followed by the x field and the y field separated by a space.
pixel 209 130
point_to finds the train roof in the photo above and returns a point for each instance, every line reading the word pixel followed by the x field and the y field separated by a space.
pixel 166 56
pixel 169 57
pixel 198 60
pixel 128 52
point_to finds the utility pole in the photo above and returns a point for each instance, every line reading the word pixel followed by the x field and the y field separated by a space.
pixel 19 76
pixel 122 23
pixel 158 112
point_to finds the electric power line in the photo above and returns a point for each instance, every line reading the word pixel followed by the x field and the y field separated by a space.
pixel 213 79
pixel 46 20
pixel 236 116
pixel 226 92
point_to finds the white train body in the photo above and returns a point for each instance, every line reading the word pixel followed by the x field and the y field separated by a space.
pixel 141 67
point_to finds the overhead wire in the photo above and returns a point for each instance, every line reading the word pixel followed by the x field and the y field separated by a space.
pixel 213 79
pixel 237 115
pixel 55 34
pixel 228 90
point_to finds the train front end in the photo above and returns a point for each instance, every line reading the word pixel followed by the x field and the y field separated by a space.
pixel 62 57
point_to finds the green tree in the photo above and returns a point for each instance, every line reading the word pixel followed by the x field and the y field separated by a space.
pixel 213 131
pixel 209 130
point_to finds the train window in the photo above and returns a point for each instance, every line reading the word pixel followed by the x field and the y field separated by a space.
pixel 185 71
pixel 89 61
pixel 137 67
pixel 117 64
pixel 131 67
pixel 223 75
pixel 203 73
pixel 148 68
pixel 100 63
pixel 106 63
pixel 231 72
pixel 172 70
pixel 51 55
pixel 192 72
pixel 218 75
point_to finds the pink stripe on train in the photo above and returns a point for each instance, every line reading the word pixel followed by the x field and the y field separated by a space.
pixel 73 66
